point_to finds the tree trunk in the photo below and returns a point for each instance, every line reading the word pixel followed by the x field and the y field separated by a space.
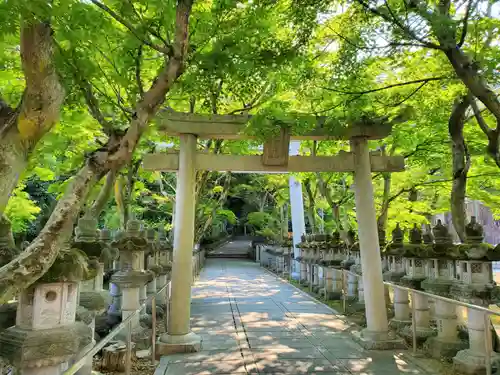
pixel 114 357
pixel 22 128
pixel 120 200
pixel 13 162
pixel 311 210
pixel 468 71
pixel 382 218
pixel 461 164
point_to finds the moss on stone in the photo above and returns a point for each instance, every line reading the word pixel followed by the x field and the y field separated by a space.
pixel 71 265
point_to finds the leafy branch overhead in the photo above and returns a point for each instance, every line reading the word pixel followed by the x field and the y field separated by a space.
pixel 82 83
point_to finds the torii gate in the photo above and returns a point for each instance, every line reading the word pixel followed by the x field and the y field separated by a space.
pixel 275 159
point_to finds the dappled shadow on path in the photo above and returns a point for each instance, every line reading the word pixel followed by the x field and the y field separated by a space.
pixel 252 323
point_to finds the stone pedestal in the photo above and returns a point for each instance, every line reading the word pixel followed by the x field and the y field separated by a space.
pixel 131 283
pixel 446 344
pixel 473 359
pixel 401 310
pixel 91 304
pixel 115 308
pixel 352 287
pixel 422 319
pixel 333 284
pixel 303 272
pixel 360 294
pixel 475 286
pixel 46 336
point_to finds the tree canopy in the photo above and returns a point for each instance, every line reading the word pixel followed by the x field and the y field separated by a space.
pixel 82 83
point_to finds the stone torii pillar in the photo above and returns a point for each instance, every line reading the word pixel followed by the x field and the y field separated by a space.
pixel 179 338
pixel 297 208
pixel 376 335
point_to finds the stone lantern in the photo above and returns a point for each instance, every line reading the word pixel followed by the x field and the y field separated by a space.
pixel 87 240
pixel 132 277
pixel 475 285
pixel 115 308
pixel 394 253
pixel 440 272
pixel 165 251
pixel 416 264
pixel 46 337
pixel 354 263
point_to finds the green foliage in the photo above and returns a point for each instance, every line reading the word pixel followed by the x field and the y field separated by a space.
pixel 21 210
pixel 260 220
pixel 287 64
pixel 268 121
pixel 223 215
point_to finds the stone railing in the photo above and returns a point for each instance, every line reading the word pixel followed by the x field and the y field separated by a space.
pixel 430 264
pixel 127 325
pixel 440 339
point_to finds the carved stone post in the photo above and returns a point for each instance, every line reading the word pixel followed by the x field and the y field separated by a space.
pixel 165 264
pixel 151 256
pixel 440 274
pixel 132 277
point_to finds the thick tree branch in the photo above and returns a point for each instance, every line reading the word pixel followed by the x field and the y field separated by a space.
pixel 461 165
pixel 480 120
pixel 138 79
pixel 465 23
pixel 43 96
pixel 104 194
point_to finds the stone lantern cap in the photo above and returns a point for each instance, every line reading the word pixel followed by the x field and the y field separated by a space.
pixel 94 301
pixel 132 240
pixel 91 241
pixel 71 265
pixel 152 241
pixel 162 241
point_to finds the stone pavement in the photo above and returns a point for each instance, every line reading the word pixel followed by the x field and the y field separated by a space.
pixel 253 323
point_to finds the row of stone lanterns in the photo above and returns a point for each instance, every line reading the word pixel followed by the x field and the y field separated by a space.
pixel 429 262
pixel 47 337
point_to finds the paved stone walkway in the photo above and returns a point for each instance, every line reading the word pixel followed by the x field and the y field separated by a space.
pixel 253 323
pixel 232 249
